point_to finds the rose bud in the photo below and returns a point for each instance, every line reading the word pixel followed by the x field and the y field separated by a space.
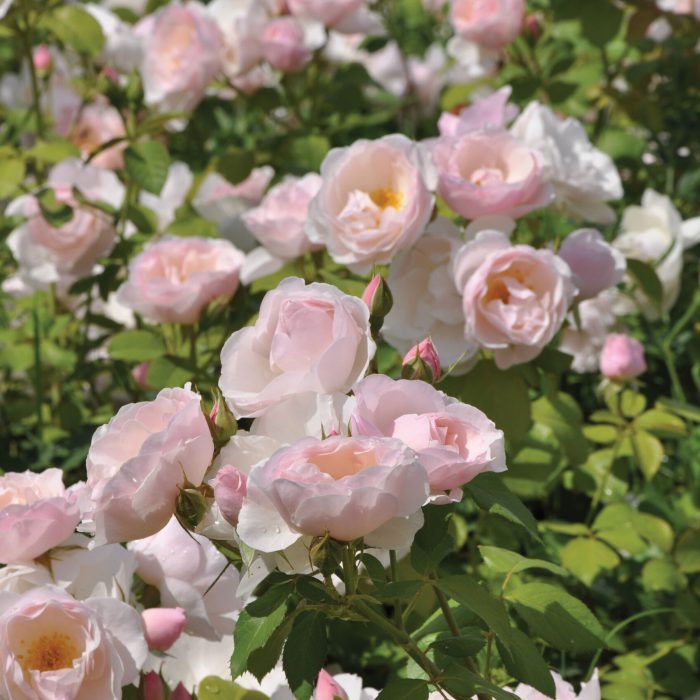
pixel 622 358
pixel 222 422
pixel 42 58
pixel 180 693
pixel 153 687
pixel 140 375
pixel 422 362
pixel 379 301
pixel 163 627
pixel 230 492
pixel 283 44
pixel 327 688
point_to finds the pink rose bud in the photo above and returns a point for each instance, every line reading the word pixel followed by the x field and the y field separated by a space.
pixel 327 688
pixel 420 357
pixel 622 357
pixel 42 58
pixel 230 492
pixel 533 26
pixel 283 44
pixel 153 687
pixel 378 297
pixel 180 693
pixel 222 422
pixel 140 375
pixel 163 627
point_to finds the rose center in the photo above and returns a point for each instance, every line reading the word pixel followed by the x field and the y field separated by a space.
pixel 49 652
pixel 498 290
pixel 486 177
pixel 384 198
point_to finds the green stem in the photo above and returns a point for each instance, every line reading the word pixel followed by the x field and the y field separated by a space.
pixel 26 37
pixel 398 608
pixel 38 377
pixel 349 572
pixel 676 386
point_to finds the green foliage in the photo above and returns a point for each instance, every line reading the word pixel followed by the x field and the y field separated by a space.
pixel 147 164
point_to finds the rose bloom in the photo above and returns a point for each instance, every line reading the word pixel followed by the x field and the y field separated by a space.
pixel 374 201
pixel 53 646
pixel 426 301
pixel 97 125
pixel 515 298
pixel 307 338
pixel 564 690
pixel 583 177
pixel 488 23
pixel 47 254
pixel 174 279
pixel 622 357
pixel 489 112
pixel 139 460
pixel 183 54
pixel 279 221
pixel 184 566
pixel 596 265
pixel 283 44
pixel 454 441
pixel 489 172
pixel 328 13
pixel 36 514
pixel 345 487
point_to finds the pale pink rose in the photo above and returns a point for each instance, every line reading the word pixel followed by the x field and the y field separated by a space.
pixel 328 13
pixel 186 568
pixel 344 487
pixel 374 201
pixel 229 492
pixel 327 688
pixel 489 172
pixel 173 280
pixel 428 354
pixel 163 627
pixel 491 112
pixel 279 221
pixel 53 646
pixel 61 255
pixel 97 125
pixel 488 23
pixel 515 298
pixel 455 442
pixel 564 690
pixel 183 54
pixel 140 459
pixel 680 7
pixel 42 57
pixel 622 357
pixel 153 687
pixel 36 514
pixel 307 338
pixel 595 263
pixel 426 301
pixel 283 44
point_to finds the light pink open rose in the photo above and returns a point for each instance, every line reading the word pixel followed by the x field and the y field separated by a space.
pixel 489 172
pixel 139 460
pixel 174 279
pixel 307 338
pixel 455 442
pixel 36 514
pixel 488 23
pixel 53 646
pixel 344 487
pixel 374 201
pixel 515 297
pixel 328 13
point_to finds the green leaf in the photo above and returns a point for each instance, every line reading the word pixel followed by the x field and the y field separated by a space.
pixel 464 684
pixel 467 592
pixel 469 643
pixel 213 688
pixel 305 653
pixel 523 660
pixel 236 164
pixel 503 561
pixel 55 212
pixel 76 28
pixel 147 165
pixel 688 552
pixel 168 371
pixel 501 394
pixel 662 575
pixel 53 151
pixel 661 424
pixel 11 176
pixel 406 689
pixel 686 410
pixel 554 361
pixel 143 218
pixel 563 415
pixel 631 403
pixel 561 620
pixel 603 434
pixel 254 630
pixel 646 278
pixel 306 153
pixel 586 557
pixel 136 346
pixel 403 590
pixel 649 453
pixel 432 542
pixel 491 494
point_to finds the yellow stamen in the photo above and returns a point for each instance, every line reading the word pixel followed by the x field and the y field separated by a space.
pixel 384 198
pixel 50 652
